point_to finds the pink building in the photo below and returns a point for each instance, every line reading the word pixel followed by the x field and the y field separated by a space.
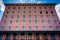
pixel 30 22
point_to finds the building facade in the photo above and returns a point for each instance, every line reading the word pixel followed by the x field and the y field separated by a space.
pixel 30 22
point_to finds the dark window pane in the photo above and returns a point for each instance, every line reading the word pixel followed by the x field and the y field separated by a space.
pixel 30 37
pixel 37 37
pixel 22 37
pixel 0 37
pixel 52 37
pixel 46 12
pixel 7 37
pixel 45 37
pixel 14 37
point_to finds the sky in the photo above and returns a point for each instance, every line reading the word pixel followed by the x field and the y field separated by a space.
pixel 2 7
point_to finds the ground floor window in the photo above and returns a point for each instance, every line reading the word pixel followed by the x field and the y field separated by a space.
pixel 7 37
pixel 45 37
pixel 52 37
pixel 14 38
pixel 37 37
pixel 22 37
pixel 0 37
pixel 30 37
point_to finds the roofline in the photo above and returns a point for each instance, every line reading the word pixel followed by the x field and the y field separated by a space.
pixel 10 4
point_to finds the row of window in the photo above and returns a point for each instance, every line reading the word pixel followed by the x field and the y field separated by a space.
pixel 29 16
pixel 37 37
pixel 24 12
pixel 30 28
pixel 30 22
pixel 28 7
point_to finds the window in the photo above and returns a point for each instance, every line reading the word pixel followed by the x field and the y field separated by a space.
pixel 23 28
pixel 43 22
pixel 14 38
pixel 41 16
pixel 46 12
pixel 29 12
pixel 9 7
pixel 18 12
pixel 13 7
pixel 29 7
pixel 45 37
pixel 22 37
pixel 35 16
pixel 59 36
pixel 50 27
pixel 30 37
pixel 2 28
pixel 50 7
pixel 34 11
pixel 52 37
pixel 47 16
pixel 45 7
pixel 10 21
pixel 0 37
pixel 29 16
pixel 37 28
pixel 48 21
pixel 55 21
pixel 12 12
pixel 30 28
pixel 53 16
pixel 12 16
pixel 24 7
pixel 23 16
pixel 9 28
pixel 17 16
pixel 34 7
pixel 40 12
pixel 7 12
pixel 29 22
pixel 37 37
pixel 17 21
pixel 57 28
pixel 4 22
pixel 18 7
pixel 39 7
pixel 16 28
pixel 36 22
pixel 43 27
pixel 6 16
pixel 51 12
pixel 7 37
pixel 23 22
pixel 24 12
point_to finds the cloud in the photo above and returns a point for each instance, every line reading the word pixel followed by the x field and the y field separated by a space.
pixel 2 7
pixel 57 7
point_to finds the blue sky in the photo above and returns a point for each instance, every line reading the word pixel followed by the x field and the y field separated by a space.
pixel 32 1
pixel 57 7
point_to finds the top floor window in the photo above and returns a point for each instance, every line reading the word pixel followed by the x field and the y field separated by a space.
pixel 13 7
pixel 34 7
pixel 46 12
pixel 40 12
pixel 51 12
pixel 9 7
